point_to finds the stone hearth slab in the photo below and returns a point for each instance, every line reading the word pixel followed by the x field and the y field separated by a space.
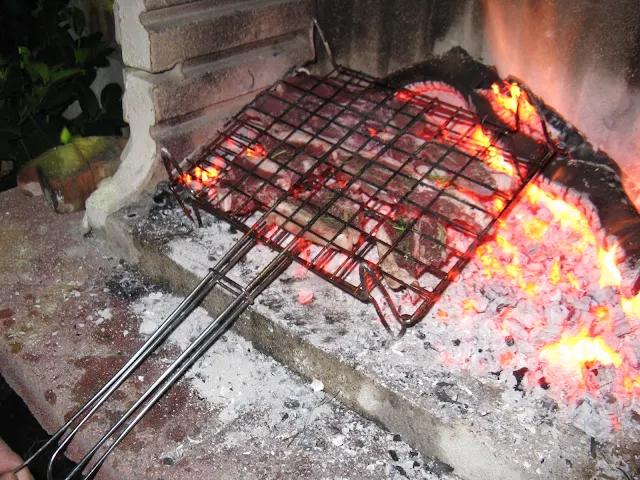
pixel 481 427
pixel 71 313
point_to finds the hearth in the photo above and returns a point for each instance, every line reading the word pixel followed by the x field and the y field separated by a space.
pixel 550 292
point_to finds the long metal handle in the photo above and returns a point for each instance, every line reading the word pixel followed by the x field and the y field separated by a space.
pixel 243 297
pixel 188 357
pixel 213 277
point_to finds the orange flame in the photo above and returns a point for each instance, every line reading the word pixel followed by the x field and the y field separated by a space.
pixel 492 157
pixel 515 102
pixel 256 152
pixel 573 351
pixel 498 205
pixel 631 307
pixel 609 273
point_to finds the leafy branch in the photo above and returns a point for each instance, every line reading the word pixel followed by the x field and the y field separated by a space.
pixel 47 63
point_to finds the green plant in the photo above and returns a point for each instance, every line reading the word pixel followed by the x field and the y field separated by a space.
pixel 47 62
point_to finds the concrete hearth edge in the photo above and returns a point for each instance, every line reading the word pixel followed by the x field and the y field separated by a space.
pixel 473 456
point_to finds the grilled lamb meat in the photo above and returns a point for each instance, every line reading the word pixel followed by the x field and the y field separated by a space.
pixel 355 155
pixel 419 246
pixel 292 215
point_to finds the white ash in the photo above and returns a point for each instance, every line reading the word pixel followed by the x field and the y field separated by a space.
pixel 258 405
pixel 464 348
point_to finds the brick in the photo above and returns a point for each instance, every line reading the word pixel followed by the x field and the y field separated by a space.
pixel 210 82
pixel 182 32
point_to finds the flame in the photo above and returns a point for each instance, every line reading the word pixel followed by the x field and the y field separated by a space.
pixel 631 307
pixel 514 101
pixel 569 216
pixel 572 352
pixel 491 155
pixel 256 152
pixel 201 178
pixel 609 273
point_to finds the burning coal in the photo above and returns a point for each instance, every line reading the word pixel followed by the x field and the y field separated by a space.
pixel 547 295
pixel 542 296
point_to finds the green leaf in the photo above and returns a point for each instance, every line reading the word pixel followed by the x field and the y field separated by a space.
pixel 399 224
pixel 76 20
pixel 65 73
pixel 25 54
pixel 65 136
pixel 110 96
pixel 58 99
pixel 39 69
pixel 88 102
pixel 82 55
pixel 442 234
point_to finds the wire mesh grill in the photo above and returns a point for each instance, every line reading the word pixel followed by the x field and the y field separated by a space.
pixel 394 191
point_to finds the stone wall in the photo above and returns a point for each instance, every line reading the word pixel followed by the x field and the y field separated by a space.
pixel 189 66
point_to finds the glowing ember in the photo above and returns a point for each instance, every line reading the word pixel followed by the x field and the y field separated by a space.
pixel 534 228
pixel 555 307
pixel 305 296
pixel 573 352
pixel 554 276
pixel 512 106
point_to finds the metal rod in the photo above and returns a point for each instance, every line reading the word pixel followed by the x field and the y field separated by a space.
pixel 186 359
pixel 171 322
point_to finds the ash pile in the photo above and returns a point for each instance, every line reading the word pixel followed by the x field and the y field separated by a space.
pixel 549 304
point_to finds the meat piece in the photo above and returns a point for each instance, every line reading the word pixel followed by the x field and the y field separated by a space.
pixel 408 260
pixel 240 193
pixel 292 216
pixel 481 179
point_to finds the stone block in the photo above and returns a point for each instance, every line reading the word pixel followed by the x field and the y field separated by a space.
pixel 68 174
pixel 183 135
pixel 182 32
pixel 216 80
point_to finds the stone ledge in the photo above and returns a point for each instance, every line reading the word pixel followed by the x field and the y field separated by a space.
pixel 158 4
pixel 488 439
pixel 209 82
pixel 181 32
pixel 182 135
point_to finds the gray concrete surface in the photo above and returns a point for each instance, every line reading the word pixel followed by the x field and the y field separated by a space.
pixel 71 313
pixel 483 428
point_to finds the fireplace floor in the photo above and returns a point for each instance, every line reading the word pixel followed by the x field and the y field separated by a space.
pixel 71 312
pixel 479 425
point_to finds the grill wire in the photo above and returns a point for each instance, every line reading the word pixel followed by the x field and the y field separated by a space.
pixel 375 151
pixel 323 136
